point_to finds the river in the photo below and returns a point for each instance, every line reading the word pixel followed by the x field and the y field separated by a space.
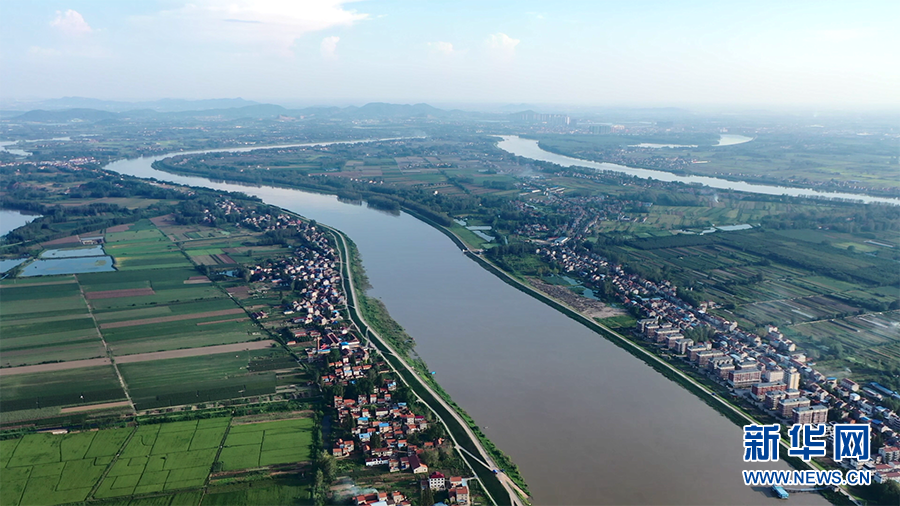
pixel 11 220
pixel 528 148
pixel 586 422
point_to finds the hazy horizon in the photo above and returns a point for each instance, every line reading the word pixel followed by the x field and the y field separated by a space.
pixel 695 55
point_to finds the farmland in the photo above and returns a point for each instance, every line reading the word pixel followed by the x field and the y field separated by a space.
pixel 192 380
pixel 156 301
pixel 266 443
pixel 166 463
pixel 808 284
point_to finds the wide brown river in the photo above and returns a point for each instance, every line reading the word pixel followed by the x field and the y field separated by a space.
pixel 586 422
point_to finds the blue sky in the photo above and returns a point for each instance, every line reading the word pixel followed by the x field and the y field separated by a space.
pixel 643 53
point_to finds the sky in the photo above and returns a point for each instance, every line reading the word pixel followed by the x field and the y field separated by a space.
pixel 597 53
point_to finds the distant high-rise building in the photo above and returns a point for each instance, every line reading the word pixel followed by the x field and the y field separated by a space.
pixel 601 129
pixel 549 119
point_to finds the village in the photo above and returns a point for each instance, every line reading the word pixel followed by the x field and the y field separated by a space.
pixel 374 424
pixel 770 373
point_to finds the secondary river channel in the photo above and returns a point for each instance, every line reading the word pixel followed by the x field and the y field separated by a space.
pixel 586 422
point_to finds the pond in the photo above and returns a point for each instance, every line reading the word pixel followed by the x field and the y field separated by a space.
pixel 75 265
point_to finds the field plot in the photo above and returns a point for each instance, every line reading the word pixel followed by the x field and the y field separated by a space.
pixel 143 246
pixel 785 312
pixel 151 310
pixel 164 457
pixel 74 387
pixel 55 468
pixel 267 443
pixel 168 287
pixel 870 337
pixel 46 322
pixel 186 498
pixel 191 380
pixel 286 489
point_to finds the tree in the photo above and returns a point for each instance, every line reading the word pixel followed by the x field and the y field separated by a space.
pixel 427 496
pixel 319 488
pixel 375 440
pixel 326 464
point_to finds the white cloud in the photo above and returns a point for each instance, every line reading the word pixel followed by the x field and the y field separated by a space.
pixel 70 23
pixel 274 24
pixel 441 47
pixel 503 43
pixel 329 47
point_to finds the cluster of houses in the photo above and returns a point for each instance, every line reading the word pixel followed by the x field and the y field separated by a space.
pixel 72 163
pixel 312 271
pixel 455 486
pixel 769 371
pixel 382 427
pixel 350 367
pixel 381 499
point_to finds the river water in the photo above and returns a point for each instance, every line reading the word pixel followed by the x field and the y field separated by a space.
pixel 11 219
pixel 528 148
pixel 586 422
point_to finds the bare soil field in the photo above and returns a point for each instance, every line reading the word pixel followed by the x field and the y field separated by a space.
pixel 239 292
pixel 92 407
pixel 175 318
pixel 196 280
pixel 204 260
pixel 195 352
pixel 72 239
pixel 588 307
pixel 162 221
pixel 224 321
pixel 225 259
pixel 116 294
pixel 118 228
pixel 57 366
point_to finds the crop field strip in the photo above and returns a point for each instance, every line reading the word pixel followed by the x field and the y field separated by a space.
pixel 174 458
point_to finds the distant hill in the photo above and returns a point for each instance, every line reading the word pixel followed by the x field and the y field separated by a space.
pixel 380 110
pixel 65 116
pixel 371 111
pixel 164 105
pixel 250 111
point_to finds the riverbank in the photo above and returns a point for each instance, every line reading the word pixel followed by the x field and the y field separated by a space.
pixel 499 485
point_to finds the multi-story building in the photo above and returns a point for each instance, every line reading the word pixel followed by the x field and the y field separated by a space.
pixel 437 481
pixel 773 375
pixel 810 414
pixel 889 453
pixel 849 384
pixel 787 406
pixel 792 379
pixel 743 378
pixel 760 390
